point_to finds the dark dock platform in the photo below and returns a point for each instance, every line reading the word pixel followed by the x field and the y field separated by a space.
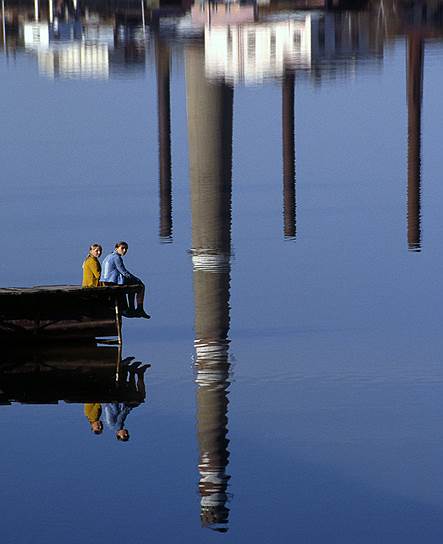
pixel 62 313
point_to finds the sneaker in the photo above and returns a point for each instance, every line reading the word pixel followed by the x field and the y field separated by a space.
pixel 139 312
pixel 129 313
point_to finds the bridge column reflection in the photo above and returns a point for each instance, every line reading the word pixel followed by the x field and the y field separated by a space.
pixel 415 54
pixel 210 108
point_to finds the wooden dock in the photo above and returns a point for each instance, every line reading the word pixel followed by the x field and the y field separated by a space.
pixel 62 313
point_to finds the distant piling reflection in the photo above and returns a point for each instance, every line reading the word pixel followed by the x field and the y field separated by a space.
pixel 415 52
pixel 164 137
pixel 288 129
pixel 210 110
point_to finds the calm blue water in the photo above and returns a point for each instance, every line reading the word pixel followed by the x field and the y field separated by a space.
pixel 296 381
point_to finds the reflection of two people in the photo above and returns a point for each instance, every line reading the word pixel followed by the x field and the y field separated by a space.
pixel 132 386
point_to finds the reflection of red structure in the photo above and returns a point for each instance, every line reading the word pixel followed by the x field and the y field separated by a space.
pixel 221 14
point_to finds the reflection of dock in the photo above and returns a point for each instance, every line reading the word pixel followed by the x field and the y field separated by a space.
pixel 81 374
pixel 55 313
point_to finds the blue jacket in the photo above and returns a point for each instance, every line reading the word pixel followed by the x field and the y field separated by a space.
pixel 113 269
pixel 116 414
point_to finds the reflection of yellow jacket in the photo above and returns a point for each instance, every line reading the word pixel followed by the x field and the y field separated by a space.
pixel 93 411
pixel 91 272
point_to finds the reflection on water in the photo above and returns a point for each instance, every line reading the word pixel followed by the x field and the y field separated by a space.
pixel 163 61
pixel 94 376
pixel 210 110
pixel 70 41
pixel 415 52
pixel 241 43
pixel 224 46
pixel 288 121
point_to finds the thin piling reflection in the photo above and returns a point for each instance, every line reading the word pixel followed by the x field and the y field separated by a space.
pixel 415 54
pixel 164 137
pixel 288 129
pixel 210 109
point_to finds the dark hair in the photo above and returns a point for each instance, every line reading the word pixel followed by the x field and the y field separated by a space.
pixel 122 243
pixel 122 438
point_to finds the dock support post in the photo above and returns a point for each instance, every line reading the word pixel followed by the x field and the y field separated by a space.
pixel 118 321
pixel 143 18
pixel 119 363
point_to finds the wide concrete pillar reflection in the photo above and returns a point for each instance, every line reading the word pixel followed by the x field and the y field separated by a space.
pixel 209 107
pixel 414 93
pixel 288 129
pixel 164 137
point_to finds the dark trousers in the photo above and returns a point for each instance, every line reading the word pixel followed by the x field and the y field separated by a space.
pixel 138 296
pixel 134 297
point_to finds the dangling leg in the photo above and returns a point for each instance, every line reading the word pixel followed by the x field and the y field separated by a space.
pixel 140 297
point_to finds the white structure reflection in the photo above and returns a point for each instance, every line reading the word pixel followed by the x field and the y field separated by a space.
pixel 253 52
pixel 69 50
pixel 244 45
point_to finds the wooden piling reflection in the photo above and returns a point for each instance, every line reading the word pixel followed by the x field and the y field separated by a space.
pixel 288 129
pixel 415 52
pixel 164 137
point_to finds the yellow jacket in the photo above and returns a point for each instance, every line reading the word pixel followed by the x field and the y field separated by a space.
pixel 91 272
pixel 93 411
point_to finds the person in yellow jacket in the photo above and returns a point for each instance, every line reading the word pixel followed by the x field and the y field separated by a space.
pixel 91 267
pixel 93 412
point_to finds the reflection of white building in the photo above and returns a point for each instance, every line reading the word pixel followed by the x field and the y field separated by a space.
pixel 36 35
pixel 76 60
pixel 253 52
pixel 69 49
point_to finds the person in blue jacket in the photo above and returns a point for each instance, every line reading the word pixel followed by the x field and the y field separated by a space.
pixel 114 272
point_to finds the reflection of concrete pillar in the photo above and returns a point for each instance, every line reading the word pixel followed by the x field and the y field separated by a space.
pixel 210 155
pixel 288 113
pixel 164 138
pixel 414 91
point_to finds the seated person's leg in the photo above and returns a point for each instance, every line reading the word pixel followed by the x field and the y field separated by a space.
pixel 140 295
